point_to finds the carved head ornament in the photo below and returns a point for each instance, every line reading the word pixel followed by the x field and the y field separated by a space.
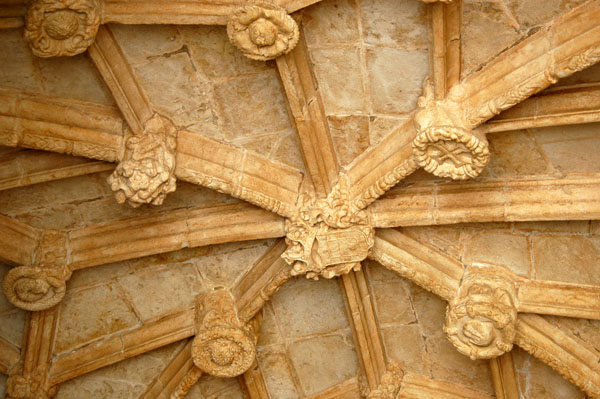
pixel 147 174
pixel 263 31
pixel 480 320
pixel 61 27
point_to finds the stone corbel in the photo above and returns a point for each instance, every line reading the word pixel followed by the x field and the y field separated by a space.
pixel 223 346
pixel 42 285
pixel 61 27
pixel 443 146
pixel 147 172
pixel 390 385
pixel 480 319
pixel 28 387
pixel 328 237
pixel 262 31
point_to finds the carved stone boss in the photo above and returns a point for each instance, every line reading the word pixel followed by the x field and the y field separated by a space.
pixel 262 31
pixel 327 237
pixel 223 346
pixel 480 319
pixel 61 27
pixel 443 145
pixel 147 173
pixel 43 284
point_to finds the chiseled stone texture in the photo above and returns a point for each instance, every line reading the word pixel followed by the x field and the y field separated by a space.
pixel 12 319
pixel 412 332
pixel 210 387
pixel 307 346
pixel 212 90
pixel 2 384
pixel 127 379
pixel 370 58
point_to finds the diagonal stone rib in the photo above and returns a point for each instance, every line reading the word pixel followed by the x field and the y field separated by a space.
pixel 270 274
pixel 346 389
pixel 306 108
pixel 365 328
pixel 24 168
pixel 504 378
pixel 568 354
pixel 108 57
pixel 9 356
pixel 150 235
pixel 383 166
pixel 533 198
pixel 445 55
pixel 559 299
pixel 96 131
pixel 575 359
pixel 254 383
pixel 568 44
pixel 37 356
pixel 18 241
pixel 564 106
pixel 170 377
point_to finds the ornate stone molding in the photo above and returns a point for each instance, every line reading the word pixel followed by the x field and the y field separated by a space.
pixel 480 319
pixel 391 382
pixel 327 237
pixel 262 31
pixel 442 146
pixel 147 173
pixel 61 27
pixel 42 285
pixel 29 387
pixel 223 346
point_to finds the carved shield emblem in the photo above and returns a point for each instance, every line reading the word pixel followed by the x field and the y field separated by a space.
pixel 342 246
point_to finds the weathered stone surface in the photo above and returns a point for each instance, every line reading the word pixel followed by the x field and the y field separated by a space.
pixel 92 313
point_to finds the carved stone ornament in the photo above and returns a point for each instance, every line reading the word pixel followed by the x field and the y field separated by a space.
pixel 147 173
pixel 442 147
pixel 20 387
pixel 480 319
pixel 390 385
pixel 263 31
pixel 43 285
pixel 223 346
pixel 61 27
pixel 327 237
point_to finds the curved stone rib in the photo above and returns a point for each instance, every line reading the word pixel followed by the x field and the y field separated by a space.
pixel 437 272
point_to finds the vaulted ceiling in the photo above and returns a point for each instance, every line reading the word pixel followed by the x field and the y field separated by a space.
pixel 392 198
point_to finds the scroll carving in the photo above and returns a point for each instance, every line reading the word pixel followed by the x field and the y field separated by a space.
pixel 391 382
pixel 263 31
pixel 147 174
pixel 327 237
pixel 223 346
pixel 43 285
pixel 442 146
pixel 480 319
pixel 61 27
pixel 20 387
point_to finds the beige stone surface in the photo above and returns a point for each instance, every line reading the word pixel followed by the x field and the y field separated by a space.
pixel 533 209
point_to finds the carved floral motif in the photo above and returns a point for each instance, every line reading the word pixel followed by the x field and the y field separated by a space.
pixel 444 148
pixel 147 174
pixel 327 237
pixel 43 285
pixel 263 31
pixel 390 385
pixel 480 319
pixel 61 27
pixel 223 346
